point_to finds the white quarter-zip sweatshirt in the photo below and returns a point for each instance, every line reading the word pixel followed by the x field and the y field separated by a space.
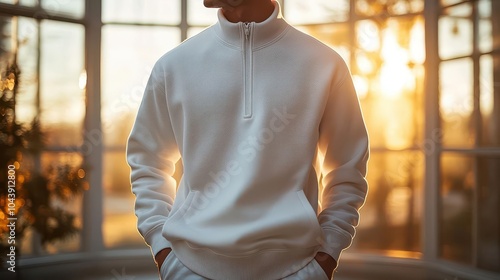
pixel 268 124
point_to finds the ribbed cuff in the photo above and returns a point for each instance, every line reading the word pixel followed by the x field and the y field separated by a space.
pixel 156 241
pixel 334 243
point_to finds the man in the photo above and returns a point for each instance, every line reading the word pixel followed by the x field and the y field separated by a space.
pixel 259 113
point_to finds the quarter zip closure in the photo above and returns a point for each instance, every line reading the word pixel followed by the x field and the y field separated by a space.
pixel 248 69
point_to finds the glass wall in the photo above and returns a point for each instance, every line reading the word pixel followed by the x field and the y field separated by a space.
pixel 49 90
pixel 134 35
pixel 469 108
pixel 384 44
pixel 384 47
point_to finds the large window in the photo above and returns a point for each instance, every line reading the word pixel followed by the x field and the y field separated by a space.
pixel 426 72
pixel 384 46
pixel 50 90
pixel 134 35
pixel 469 109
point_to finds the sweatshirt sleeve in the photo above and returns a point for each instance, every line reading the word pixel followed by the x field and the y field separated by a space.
pixel 343 147
pixel 152 153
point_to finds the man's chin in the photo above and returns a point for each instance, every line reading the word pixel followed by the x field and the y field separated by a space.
pixel 213 3
pixel 208 3
pixel 221 3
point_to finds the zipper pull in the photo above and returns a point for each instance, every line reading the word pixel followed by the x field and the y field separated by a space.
pixel 247 29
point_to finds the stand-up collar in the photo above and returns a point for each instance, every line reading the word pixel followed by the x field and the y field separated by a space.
pixel 262 32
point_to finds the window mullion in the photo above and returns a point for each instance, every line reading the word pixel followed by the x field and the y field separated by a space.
pixel 92 206
pixel 184 21
pixel 430 232
pixel 477 120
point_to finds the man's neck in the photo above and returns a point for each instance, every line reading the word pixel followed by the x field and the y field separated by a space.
pixel 249 11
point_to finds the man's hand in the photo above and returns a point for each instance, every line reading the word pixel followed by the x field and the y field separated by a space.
pixel 161 256
pixel 327 263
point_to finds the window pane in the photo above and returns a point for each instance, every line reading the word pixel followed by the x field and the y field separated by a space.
pixel 62 99
pixel 124 80
pixel 457 183
pixel 495 20
pixel 393 124
pixel 488 218
pixel 316 11
pixel 490 105
pixel 74 8
pixel 368 35
pixel 388 74
pixel 198 14
pixel 406 7
pixel 140 11
pixel 485 39
pixel 375 7
pixel 22 2
pixel 455 32
pixel 364 7
pixel 5 38
pixel 489 27
pixel 456 103
pixel 26 55
pixel 451 2
pixel 120 223
pixel 390 218
pixel 27 60
pixel 52 161
pixel 29 2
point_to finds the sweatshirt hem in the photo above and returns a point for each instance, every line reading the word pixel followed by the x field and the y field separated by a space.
pixel 268 264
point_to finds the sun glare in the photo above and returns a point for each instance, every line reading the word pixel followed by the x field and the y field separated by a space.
pixel 395 75
pixel 82 82
pixel 417 42
pixel 361 85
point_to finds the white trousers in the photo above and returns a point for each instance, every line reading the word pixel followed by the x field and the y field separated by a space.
pixel 173 269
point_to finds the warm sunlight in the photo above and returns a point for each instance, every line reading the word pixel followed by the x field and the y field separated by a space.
pixel 362 86
pixel 82 81
pixel 368 35
pixel 395 75
pixel 389 70
pixel 417 42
